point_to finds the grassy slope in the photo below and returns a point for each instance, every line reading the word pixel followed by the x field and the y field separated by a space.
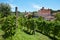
pixel 20 35
pixel 1 33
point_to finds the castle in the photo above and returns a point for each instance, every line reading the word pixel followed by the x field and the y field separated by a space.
pixel 45 13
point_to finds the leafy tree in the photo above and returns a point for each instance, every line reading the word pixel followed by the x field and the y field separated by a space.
pixel 57 16
pixel 5 9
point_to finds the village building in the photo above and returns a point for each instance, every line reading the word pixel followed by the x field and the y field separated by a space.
pixel 45 13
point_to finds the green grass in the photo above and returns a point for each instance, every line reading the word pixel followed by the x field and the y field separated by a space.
pixel 20 35
pixel 1 33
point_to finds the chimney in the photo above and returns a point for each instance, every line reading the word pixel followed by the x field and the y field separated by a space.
pixel 42 7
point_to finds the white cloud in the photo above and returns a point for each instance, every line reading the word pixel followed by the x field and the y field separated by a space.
pixel 12 7
pixel 36 6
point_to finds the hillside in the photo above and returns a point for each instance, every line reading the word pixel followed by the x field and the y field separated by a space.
pixel 20 35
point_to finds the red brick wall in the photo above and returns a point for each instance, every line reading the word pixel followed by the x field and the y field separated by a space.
pixel 44 12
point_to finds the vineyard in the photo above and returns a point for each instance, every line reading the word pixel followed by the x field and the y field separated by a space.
pixel 28 28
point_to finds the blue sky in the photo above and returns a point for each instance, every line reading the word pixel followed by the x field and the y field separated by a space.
pixel 32 5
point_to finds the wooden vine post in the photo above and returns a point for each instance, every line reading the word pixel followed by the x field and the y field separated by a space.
pixel 16 13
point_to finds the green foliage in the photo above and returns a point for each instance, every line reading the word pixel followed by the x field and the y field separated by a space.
pixel 41 25
pixel 57 16
pixel 5 9
pixel 30 25
pixel 8 26
pixel 56 29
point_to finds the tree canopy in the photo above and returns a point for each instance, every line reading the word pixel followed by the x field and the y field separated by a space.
pixel 5 9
